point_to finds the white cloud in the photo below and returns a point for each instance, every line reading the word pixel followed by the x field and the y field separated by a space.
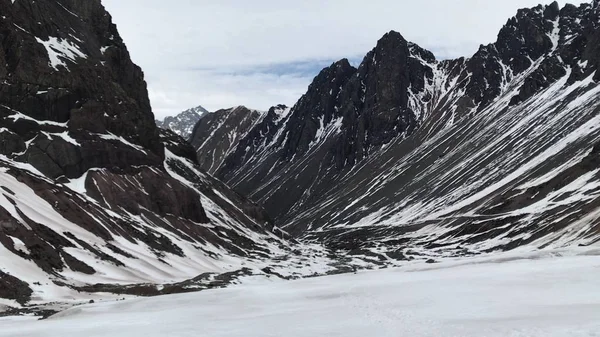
pixel 213 90
pixel 202 51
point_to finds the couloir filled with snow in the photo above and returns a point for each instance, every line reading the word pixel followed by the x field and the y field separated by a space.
pixel 516 294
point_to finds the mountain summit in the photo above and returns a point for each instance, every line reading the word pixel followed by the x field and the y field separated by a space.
pixel 183 123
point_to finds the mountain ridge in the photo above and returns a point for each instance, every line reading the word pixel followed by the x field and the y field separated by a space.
pixel 96 202
pixel 344 168
pixel 184 122
pixel 402 158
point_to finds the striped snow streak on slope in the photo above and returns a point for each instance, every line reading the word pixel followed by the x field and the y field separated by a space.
pixel 455 178
pixel 230 243
pixel 226 129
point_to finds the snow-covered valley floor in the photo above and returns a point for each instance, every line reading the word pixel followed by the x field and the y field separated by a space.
pixel 540 296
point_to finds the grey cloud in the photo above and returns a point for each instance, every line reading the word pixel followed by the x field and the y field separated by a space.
pixel 226 52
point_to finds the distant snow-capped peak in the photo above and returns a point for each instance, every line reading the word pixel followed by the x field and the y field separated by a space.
pixel 183 123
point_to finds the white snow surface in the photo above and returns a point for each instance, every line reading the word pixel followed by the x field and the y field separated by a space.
pixel 502 295
pixel 59 50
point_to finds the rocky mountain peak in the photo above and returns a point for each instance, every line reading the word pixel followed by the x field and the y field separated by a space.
pixel 343 63
pixel 391 38
pixel 218 133
pixel 527 36
pixel 391 44
pixel 552 11
pixel 183 124
pixel 336 72
pixel 277 112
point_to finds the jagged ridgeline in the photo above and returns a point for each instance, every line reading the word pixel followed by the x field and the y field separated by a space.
pixel 494 151
pixel 92 194
pixel 183 123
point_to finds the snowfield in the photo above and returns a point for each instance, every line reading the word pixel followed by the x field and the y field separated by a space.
pixel 543 295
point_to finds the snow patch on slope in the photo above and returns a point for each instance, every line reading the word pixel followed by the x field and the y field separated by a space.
pixel 61 50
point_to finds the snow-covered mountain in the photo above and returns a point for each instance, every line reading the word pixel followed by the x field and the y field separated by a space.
pixel 405 157
pixel 95 200
pixel 183 124
pixel 406 152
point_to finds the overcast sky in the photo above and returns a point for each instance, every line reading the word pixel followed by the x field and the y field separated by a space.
pixel 259 53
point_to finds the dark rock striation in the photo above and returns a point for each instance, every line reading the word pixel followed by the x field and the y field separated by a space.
pixel 218 133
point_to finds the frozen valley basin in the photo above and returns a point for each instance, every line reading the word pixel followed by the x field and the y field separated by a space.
pixel 527 294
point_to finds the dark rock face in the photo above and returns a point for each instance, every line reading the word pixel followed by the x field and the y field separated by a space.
pixel 64 64
pixel 408 150
pixel 265 132
pixel 183 124
pixel 319 106
pixel 14 289
pixel 173 142
pixel 375 102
